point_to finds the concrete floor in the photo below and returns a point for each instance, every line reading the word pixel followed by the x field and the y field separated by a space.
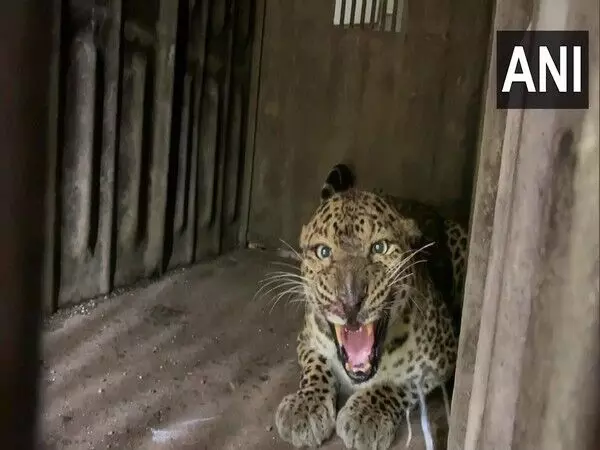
pixel 123 372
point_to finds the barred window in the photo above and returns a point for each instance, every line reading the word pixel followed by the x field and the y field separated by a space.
pixel 380 15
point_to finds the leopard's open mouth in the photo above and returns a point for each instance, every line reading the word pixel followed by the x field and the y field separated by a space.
pixel 359 348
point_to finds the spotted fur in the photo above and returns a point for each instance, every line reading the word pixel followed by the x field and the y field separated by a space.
pixel 411 292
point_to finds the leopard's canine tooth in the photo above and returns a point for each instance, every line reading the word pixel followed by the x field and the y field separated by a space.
pixel 339 332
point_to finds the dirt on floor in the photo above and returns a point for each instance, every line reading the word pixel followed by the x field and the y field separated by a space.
pixel 191 361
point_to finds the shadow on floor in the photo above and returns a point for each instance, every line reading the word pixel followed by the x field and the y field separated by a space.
pixel 194 346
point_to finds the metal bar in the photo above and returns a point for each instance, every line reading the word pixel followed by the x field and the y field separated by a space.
pixel 342 13
pixel 385 25
pixel 26 41
pixel 363 13
pixel 381 15
pixel 224 124
pixel 337 12
pixel 395 14
pixel 373 18
pixel 240 86
pixel 352 12
pixel 250 138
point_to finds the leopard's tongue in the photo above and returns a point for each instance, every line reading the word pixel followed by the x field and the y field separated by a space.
pixel 357 343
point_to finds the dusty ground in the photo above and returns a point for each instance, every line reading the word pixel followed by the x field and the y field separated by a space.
pixel 194 345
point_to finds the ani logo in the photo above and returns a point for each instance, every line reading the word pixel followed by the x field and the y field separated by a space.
pixel 542 69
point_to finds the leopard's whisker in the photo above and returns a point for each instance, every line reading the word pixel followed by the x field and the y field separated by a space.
pixel 275 285
pixel 400 278
pixel 414 302
pixel 282 273
pixel 285 264
pixel 404 270
pixel 284 285
pixel 403 261
pixel 279 276
pixel 292 249
pixel 281 296
pixel 267 286
pixel 282 288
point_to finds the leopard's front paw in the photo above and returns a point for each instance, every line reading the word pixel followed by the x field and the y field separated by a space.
pixel 306 418
pixel 364 425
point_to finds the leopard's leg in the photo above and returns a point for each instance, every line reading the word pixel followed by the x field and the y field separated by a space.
pixel 307 417
pixel 370 418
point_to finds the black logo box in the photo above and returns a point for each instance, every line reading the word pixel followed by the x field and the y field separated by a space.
pixel 518 97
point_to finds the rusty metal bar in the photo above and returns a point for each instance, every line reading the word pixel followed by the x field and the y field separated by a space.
pixel 25 57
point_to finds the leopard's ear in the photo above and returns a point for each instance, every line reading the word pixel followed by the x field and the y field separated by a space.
pixel 411 229
pixel 339 179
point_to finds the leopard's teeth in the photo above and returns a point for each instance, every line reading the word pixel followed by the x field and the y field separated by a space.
pixel 339 332
pixel 362 368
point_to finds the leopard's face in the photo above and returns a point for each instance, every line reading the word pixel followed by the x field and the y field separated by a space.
pixel 356 256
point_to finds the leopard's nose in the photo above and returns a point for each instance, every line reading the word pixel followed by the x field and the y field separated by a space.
pixel 351 313
pixel 353 291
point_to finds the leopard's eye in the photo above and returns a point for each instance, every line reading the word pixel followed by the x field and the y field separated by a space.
pixel 322 251
pixel 379 247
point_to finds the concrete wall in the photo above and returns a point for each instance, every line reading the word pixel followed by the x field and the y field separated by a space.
pixel 148 134
pixel 527 376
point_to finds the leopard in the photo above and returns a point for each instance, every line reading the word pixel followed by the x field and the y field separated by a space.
pixel 382 282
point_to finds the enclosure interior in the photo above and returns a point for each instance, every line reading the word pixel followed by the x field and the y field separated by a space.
pixel 183 131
